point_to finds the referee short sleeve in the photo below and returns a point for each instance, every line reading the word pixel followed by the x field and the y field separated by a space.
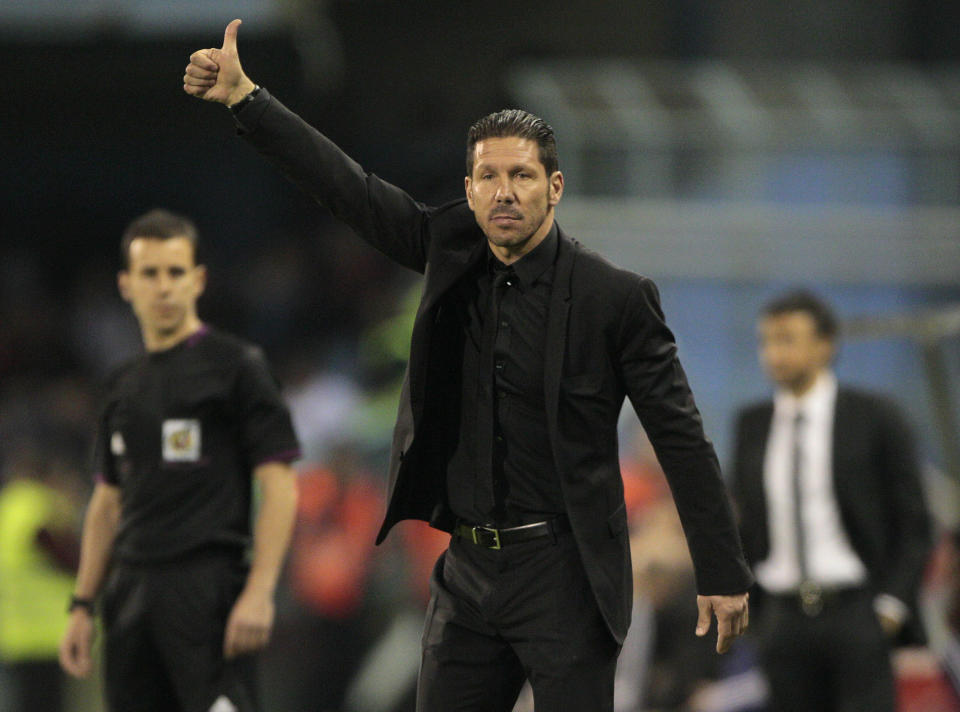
pixel 103 460
pixel 266 428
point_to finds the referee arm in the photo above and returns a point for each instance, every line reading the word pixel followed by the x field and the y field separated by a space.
pixel 99 530
pixel 251 620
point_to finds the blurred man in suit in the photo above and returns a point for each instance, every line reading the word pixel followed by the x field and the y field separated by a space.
pixel 832 515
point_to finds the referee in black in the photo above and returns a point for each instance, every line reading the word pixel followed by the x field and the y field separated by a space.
pixel 184 430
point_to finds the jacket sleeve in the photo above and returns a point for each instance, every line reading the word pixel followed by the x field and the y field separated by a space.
pixel 381 213
pixel 909 520
pixel 658 389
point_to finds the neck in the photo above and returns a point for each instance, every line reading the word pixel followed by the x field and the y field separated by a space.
pixel 803 386
pixel 508 254
pixel 155 341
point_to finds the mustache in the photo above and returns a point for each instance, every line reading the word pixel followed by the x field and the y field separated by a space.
pixel 502 213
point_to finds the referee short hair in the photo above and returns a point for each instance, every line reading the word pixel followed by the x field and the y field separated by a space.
pixel 159 224
pixel 519 123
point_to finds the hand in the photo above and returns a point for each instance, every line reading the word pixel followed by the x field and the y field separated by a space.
pixel 733 617
pixel 891 626
pixel 249 624
pixel 216 74
pixel 77 642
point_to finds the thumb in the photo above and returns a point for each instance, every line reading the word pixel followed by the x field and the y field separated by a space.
pixel 230 36
pixel 703 620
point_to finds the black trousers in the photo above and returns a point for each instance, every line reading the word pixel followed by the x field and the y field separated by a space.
pixel 837 661
pixel 36 685
pixel 164 627
pixel 496 618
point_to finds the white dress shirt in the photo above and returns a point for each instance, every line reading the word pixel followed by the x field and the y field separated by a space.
pixel 830 559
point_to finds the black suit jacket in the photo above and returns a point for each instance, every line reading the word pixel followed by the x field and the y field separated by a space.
pixel 876 481
pixel 606 339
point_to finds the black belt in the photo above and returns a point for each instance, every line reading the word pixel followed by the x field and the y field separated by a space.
pixel 813 599
pixel 493 538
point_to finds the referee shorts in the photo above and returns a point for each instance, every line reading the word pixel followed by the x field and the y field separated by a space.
pixel 164 627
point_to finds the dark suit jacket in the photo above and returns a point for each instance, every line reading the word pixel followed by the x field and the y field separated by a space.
pixel 876 481
pixel 606 339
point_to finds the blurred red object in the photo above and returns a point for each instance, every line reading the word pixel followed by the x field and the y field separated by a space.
pixel 332 549
pixel 922 685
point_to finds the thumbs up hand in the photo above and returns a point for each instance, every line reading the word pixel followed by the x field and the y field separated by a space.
pixel 215 74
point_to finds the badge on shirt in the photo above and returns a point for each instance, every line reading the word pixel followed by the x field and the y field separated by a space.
pixel 118 447
pixel 223 704
pixel 181 440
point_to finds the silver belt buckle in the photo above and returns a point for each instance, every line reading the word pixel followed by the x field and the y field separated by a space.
pixel 811 598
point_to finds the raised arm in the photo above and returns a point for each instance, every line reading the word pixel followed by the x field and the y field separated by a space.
pixel 381 213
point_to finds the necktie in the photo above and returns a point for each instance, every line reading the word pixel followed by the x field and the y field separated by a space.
pixel 486 401
pixel 797 480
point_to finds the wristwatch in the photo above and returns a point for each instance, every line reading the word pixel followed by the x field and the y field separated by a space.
pixel 78 602
pixel 238 107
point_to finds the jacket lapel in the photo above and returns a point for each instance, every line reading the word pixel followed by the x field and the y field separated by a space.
pixel 556 338
pixel 439 279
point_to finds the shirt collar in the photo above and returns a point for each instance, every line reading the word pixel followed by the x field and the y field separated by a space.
pixel 817 400
pixel 532 265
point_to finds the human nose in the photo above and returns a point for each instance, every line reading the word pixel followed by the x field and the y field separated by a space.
pixel 164 283
pixel 504 192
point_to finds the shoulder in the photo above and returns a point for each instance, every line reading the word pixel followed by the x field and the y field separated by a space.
pixel 754 413
pixel 595 272
pixel 226 348
pixel 452 227
pixel 869 404
pixel 122 373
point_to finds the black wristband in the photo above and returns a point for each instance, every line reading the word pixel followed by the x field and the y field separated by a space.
pixel 238 107
pixel 77 602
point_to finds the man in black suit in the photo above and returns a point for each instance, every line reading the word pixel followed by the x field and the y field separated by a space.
pixel 827 483
pixel 523 349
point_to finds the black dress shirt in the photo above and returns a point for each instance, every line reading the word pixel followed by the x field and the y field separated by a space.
pixel 502 469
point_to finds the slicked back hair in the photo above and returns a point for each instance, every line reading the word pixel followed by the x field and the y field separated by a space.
pixel 159 224
pixel 519 123
pixel 801 300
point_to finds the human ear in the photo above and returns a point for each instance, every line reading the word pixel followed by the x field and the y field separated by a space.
pixel 468 188
pixel 123 285
pixel 556 187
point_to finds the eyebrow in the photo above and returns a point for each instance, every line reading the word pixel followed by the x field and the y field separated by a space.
pixel 516 167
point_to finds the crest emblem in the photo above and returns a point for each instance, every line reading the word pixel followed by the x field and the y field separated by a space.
pixel 118 447
pixel 181 440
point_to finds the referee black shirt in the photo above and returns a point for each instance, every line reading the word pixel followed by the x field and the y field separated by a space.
pixel 180 434
pixel 519 483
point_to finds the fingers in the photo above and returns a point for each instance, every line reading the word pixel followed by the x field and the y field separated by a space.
pixel 703 619
pixel 230 36
pixel 196 77
pixel 201 74
pixel 725 634
pixel 241 639
pixel 75 657
pixel 733 617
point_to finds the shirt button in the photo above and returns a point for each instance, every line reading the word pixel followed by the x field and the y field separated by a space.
pixel 504 325
pixel 500 365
